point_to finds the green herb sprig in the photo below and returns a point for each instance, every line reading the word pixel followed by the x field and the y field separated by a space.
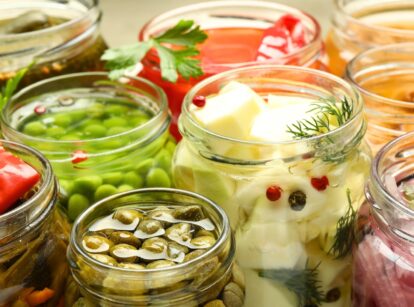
pixel 344 236
pixel 185 34
pixel 304 283
pixel 320 122
pixel 11 86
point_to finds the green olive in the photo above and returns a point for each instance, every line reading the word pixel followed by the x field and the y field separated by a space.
pixel 160 264
pixel 150 226
pixel 203 242
pixel 127 216
pixel 125 237
pixel 105 259
pixel 297 200
pixel 188 213
pixel 124 253
pixel 97 244
pixel 155 245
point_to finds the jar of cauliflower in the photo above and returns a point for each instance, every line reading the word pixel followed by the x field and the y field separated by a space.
pixel 281 150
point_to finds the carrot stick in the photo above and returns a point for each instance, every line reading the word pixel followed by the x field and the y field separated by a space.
pixel 39 297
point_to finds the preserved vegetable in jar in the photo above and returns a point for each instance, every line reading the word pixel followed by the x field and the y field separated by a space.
pixel 280 149
pixel 383 264
pixel 160 247
pixel 101 136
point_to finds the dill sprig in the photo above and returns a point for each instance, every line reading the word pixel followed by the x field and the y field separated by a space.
pixel 303 282
pixel 320 122
pixel 344 236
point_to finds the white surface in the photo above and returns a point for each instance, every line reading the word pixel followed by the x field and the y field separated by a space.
pixel 122 19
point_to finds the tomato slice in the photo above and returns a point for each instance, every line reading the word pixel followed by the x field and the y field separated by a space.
pixel 16 179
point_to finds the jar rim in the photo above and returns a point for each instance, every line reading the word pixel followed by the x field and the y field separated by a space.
pixel 340 6
pixel 162 112
pixel 316 32
pixel 206 201
pixel 66 25
pixel 47 180
pixel 350 72
pixel 225 75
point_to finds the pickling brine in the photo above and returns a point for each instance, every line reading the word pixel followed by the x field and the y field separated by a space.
pixel 280 149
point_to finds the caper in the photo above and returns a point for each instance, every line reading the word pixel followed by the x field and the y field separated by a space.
pixel 96 244
pixel 160 264
pixel 160 213
pixel 105 259
pixel 203 232
pixel 203 242
pixel 215 303
pixel 233 295
pixel 297 200
pixel 132 266
pixel 150 226
pixel 188 213
pixel 193 255
pixel 155 245
pixel 333 295
pixel 127 216
pixel 126 237
pixel 180 232
pixel 175 250
pixel 124 252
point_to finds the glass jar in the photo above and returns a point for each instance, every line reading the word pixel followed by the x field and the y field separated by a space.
pixel 61 37
pixel 225 22
pixel 290 254
pixel 206 280
pixel 358 25
pixel 33 239
pixel 383 265
pixel 101 136
pixel 385 77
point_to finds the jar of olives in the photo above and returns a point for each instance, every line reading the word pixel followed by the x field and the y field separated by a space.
pixel 101 136
pixel 158 247
pixel 33 236
pixel 280 149
pixel 59 36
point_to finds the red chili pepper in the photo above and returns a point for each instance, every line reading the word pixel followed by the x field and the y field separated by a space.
pixel 79 156
pixel 286 35
pixel 16 179
pixel 320 184
pixel 273 193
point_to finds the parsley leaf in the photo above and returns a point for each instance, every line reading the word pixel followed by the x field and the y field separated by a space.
pixel 172 62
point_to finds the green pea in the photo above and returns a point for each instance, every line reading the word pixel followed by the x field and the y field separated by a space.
pixel 138 121
pixel 163 160
pixel 117 130
pixel 55 132
pixel 96 131
pixel 124 188
pixel 157 177
pixel 115 122
pixel 114 178
pixel 76 205
pixel 96 110
pixel 113 144
pixel 132 179
pixel 34 128
pixel 62 120
pixel 144 166
pixel 77 115
pixel 90 122
pixel 170 146
pixel 66 187
pixel 87 184
pixel 70 137
pixel 116 110
pixel 104 190
pixel 139 114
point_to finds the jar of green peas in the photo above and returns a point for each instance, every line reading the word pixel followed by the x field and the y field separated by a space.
pixel 101 136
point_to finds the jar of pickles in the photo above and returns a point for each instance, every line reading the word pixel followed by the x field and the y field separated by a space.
pixel 383 265
pixel 155 247
pixel 239 34
pixel 101 136
pixel 59 36
pixel 358 25
pixel 280 149
pixel 33 233
pixel 385 76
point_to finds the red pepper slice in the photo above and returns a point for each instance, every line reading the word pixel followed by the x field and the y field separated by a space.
pixel 16 179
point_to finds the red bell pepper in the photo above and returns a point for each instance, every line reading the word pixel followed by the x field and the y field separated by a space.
pixel 16 179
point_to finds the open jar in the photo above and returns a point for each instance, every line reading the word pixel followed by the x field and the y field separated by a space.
pixel 59 36
pixel 33 240
pixel 288 201
pixel 358 25
pixel 385 77
pixel 235 32
pixel 101 136
pixel 161 247
pixel 383 265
